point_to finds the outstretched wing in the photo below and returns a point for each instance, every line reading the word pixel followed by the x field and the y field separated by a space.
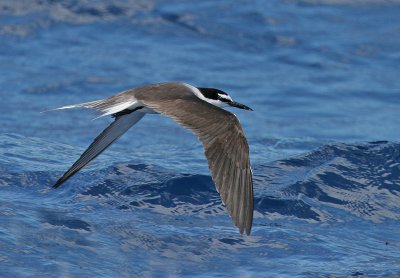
pixel 120 125
pixel 225 147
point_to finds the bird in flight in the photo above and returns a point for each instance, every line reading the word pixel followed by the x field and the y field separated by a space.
pixel 200 111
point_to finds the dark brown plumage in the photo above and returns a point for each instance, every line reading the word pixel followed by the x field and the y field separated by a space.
pixel 224 142
pixel 225 145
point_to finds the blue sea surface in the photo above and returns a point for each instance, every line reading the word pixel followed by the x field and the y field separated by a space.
pixel 323 78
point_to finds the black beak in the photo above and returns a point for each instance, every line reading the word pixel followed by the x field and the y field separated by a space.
pixel 239 105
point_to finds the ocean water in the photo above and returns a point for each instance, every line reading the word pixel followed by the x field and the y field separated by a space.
pixel 323 79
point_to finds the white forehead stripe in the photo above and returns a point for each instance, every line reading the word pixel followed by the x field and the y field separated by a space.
pixel 212 101
pixel 225 97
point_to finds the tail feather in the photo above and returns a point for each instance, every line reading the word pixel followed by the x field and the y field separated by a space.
pixel 91 104
pixel 106 107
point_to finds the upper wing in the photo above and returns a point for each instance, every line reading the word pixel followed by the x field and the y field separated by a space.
pixel 120 125
pixel 225 147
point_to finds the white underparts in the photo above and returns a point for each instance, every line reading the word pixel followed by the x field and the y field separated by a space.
pixel 118 108
pixel 131 105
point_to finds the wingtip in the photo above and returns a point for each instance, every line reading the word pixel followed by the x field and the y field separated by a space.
pixel 58 183
pixel 243 229
pixel 248 231
pixel 56 186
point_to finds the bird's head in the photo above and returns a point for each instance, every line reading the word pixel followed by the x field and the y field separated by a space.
pixel 220 98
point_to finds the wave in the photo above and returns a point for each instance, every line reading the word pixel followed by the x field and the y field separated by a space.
pixel 334 182
pixel 76 11
pixel 360 179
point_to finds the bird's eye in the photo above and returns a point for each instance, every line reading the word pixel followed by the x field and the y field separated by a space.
pixel 223 99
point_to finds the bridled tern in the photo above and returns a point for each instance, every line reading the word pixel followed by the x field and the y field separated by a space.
pixel 199 110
